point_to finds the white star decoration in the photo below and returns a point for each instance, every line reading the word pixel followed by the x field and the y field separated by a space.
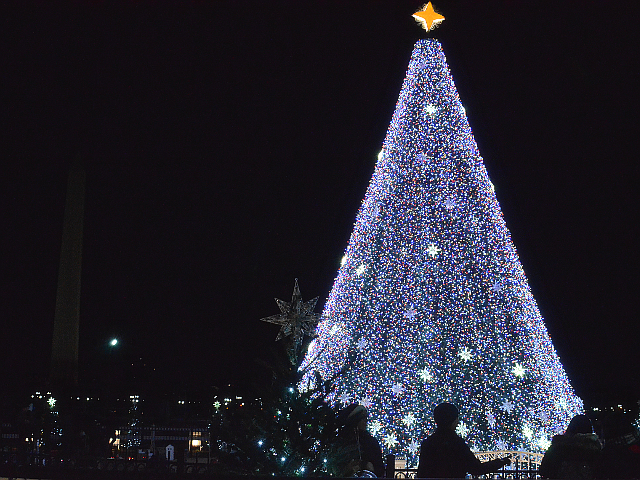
pixel 361 269
pixel 361 344
pixel 465 354
pixel 543 442
pixel 296 318
pixel 397 389
pixel 390 440
pixel 527 432
pixel 344 399
pixel 422 158
pixel 507 406
pixel 497 287
pixel 501 445
pixel 413 447
pixel 430 109
pixel 365 402
pixel 462 429
pixel 433 251
pixel 375 427
pixel 449 203
pixel 409 419
pixel 425 375
pixel 491 420
pixel 519 370
pixel 410 314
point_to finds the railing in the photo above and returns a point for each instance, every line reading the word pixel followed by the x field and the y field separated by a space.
pixel 524 465
pixel 501 474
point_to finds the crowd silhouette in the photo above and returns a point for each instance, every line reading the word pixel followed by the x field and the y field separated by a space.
pixel 577 454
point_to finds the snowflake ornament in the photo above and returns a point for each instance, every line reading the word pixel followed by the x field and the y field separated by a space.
pixel 462 430
pixel 397 389
pixel 375 427
pixel 519 370
pixel 390 440
pixel 491 420
pixel 409 419
pixel 413 447
pixel 361 344
pixel 430 109
pixel 366 402
pixel 544 443
pixel 507 406
pixel 465 354
pixel 422 158
pixel 410 314
pixel 425 375
pixel 433 251
pixel 449 203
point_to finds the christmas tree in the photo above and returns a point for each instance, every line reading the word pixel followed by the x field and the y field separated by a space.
pixel 431 295
pixel 284 431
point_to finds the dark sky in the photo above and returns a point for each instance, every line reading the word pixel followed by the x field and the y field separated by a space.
pixel 228 146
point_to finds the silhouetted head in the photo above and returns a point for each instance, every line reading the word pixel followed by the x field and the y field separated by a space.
pixel 445 414
pixel 579 424
pixel 352 416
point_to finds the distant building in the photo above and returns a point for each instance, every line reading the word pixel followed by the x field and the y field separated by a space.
pixel 144 443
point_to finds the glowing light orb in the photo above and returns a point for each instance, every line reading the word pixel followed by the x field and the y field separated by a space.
pixel 519 370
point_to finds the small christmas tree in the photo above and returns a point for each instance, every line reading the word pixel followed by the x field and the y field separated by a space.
pixel 283 431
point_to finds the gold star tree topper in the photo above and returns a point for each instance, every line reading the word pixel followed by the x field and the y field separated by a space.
pixel 428 17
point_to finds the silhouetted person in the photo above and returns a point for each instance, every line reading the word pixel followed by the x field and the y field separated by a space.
pixel 445 455
pixel 357 449
pixel 621 451
pixel 573 455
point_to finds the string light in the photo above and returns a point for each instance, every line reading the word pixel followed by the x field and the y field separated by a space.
pixel 431 298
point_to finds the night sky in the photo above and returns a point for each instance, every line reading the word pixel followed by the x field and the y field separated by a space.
pixel 228 146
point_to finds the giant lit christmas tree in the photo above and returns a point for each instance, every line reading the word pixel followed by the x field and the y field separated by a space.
pixel 431 294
